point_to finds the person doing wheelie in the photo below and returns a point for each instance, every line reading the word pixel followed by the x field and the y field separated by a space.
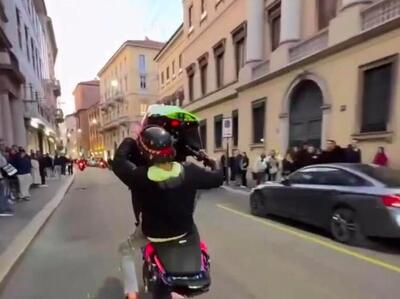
pixel 167 190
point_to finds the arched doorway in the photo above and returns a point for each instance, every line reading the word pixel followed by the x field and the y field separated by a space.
pixel 305 114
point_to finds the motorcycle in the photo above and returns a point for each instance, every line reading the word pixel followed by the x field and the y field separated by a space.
pixel 81 165
pixel 182 266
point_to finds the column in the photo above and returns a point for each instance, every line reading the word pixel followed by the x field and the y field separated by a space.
pixel 290 20
pixel 255 30
pixel 7 119
pixel 19 130
pixel 347 3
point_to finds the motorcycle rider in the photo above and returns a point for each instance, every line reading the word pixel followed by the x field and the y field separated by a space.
pixel 167 191
pixel 177 121
pixel 183 126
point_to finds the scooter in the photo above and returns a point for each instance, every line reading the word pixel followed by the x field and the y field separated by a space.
pixel 181 266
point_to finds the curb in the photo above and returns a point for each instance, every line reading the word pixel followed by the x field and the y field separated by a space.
pixel 18 246
pixel 233 190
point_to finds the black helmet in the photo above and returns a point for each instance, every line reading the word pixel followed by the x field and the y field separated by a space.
pixel 157 145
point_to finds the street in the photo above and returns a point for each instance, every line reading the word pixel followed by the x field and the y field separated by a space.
pixel 75 255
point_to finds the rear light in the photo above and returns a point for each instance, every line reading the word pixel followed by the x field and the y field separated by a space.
pixel 175 123
pixel 391 201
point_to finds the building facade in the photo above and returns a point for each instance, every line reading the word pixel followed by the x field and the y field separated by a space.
pixel 95 136
pixel 170 70
pixel 86 94
pixel 69 136
pixel 292 71
pixel 30 90
pixel 128 85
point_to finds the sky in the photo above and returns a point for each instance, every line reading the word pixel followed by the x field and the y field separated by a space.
pixel 88 32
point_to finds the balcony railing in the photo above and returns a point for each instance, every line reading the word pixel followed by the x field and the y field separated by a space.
pixel 379 13
pixel 260 69
pixel 308 47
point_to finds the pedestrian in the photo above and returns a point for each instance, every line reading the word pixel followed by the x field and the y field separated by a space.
pixel 13 157
pixel 243 166
pixel 333 153
pixel 48 166
pixel 70 164
pixel 35 171
pixel 313 157
pixel 260 166
pixel 224 166
pixel 57 166
pixel 238 162
pixel 380 158
pixel 24 168
pixel 233 166
pixel 42 168
pixel 288 164
pixel 353 153
pixel 63 161
pixel 272 166
pixel 5 170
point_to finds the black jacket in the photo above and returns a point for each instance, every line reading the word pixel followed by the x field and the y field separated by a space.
pixel 353 156
pixel 168 206
pixel 337 155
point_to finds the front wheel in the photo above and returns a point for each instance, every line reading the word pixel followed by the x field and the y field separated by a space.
pixel 344 227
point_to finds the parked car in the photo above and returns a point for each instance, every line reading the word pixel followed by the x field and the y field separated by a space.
pixel 348 200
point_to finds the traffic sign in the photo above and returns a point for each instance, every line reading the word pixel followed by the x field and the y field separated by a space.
pixel 227 127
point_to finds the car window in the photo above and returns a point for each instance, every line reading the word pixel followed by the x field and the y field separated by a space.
pixel 337 177
pixel 326 176
pixel 303 177
pixel 389 177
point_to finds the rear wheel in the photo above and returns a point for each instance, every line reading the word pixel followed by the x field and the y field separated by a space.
pixel 256 205
pixel 344 227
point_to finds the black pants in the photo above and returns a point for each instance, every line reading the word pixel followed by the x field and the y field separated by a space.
pixel 70 170
pixel 43 177
pixel 233 174
pixel 243 174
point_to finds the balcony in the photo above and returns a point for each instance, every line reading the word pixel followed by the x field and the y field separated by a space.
pixel 309 47
pixel 260 69
pixel 38 115
pixel 56 88
pixel 9 65
pixel 123 120
pixel 59 116
pixel 380 13
pixel 118 97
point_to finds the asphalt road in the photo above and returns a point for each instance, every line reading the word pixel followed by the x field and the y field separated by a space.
pixel 75 255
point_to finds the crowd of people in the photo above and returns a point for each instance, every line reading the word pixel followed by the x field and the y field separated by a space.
pixel 273 166
pixel 20 171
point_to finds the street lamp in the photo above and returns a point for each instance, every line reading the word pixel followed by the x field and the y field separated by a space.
pixel 114 83
pixel 79 130
pixel 94 121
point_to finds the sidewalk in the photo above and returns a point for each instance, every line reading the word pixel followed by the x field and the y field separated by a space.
pixel 18 231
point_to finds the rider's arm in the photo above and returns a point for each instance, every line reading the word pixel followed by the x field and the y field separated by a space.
pixel 122 166
pixel 203 178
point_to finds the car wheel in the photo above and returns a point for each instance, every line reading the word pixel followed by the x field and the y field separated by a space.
pixel 256 206
pixel 344 226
